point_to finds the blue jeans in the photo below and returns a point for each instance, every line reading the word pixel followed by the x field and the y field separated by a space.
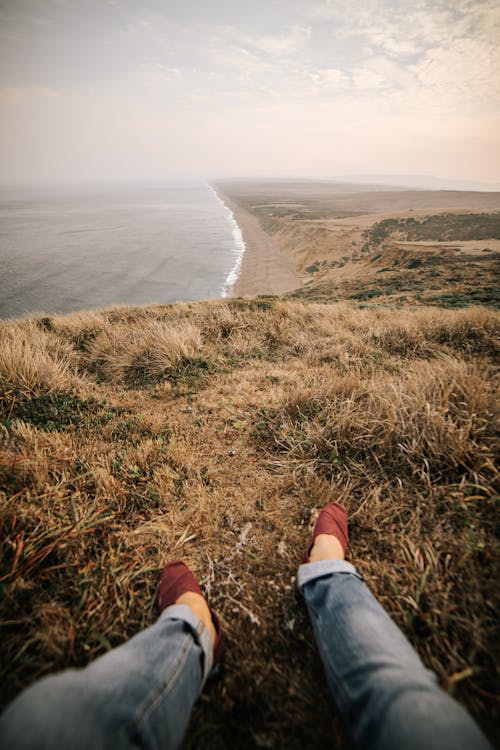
pixel 140 695
pixel 386 697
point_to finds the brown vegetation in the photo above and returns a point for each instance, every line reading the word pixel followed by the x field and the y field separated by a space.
pixel 212 432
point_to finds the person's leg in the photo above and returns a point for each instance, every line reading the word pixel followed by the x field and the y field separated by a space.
pixel 387 698
pixel 139 695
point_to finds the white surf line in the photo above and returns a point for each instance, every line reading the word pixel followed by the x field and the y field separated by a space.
pixel 240 246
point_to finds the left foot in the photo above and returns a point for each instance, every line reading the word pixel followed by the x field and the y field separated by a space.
pixel 179 586
pixel 198 604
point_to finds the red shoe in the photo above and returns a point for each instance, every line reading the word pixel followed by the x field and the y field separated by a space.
pixel 331 520
pixel 177 579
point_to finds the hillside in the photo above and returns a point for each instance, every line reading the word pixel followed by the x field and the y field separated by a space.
pixel 389 247
pixel 213 431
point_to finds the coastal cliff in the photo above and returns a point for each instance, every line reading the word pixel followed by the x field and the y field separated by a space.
pixel 390 247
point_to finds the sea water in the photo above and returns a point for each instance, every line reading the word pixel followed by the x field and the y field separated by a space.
pixel 72 248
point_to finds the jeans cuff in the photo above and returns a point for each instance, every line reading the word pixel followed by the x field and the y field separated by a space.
pixel 311 571
pixel 200 632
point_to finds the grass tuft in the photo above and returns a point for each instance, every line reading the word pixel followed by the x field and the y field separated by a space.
pixel 32 363
pixel 143 353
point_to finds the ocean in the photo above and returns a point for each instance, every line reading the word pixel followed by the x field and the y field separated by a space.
pixel 73 248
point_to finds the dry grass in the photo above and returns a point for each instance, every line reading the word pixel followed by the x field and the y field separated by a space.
pixel 144 351
pixel 212 432
pixel 421 423
pixel 30 363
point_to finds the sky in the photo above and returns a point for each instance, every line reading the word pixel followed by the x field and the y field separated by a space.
pixel 154 90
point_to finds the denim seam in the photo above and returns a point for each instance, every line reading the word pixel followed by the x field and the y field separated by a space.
pixel 162 691
pixel 325 655
pixel 198 629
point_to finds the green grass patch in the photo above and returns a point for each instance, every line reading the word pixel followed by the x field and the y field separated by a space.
pixel 189 371
pixel 60 410
pixel 487 297
pixel 440 228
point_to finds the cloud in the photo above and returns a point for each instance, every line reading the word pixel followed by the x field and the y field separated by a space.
pixel 469 69
pixel 279 45
pixel 170 72
pixel 329 79
pixel 393 45
pixel 439 55
pixel 367 79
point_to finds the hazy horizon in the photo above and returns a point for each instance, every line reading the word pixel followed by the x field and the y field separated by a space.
pixel 363 182
pixel 113 91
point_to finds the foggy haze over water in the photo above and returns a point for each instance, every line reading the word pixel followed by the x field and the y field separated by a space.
pixel 64 249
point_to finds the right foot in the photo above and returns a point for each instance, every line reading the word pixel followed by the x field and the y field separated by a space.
pixel 326 547
pixel 330 536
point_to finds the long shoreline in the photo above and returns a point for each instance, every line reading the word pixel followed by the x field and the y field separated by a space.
pixel 239 242
pixel 263 269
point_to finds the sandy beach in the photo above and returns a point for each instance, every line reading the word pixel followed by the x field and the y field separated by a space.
pixel 265 269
